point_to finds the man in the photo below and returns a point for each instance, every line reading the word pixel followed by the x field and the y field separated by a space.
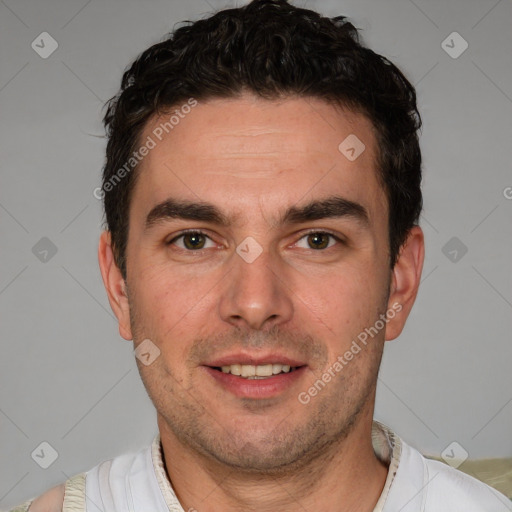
pixel 262 193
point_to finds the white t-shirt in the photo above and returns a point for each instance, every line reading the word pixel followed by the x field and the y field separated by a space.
pixel 138 483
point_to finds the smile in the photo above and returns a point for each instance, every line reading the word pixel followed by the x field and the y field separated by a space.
pixel 261 381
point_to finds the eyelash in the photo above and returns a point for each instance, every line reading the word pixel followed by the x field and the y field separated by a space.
pixel 202 233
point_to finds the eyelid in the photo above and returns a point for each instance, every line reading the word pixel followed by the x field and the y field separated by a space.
pixel 321 230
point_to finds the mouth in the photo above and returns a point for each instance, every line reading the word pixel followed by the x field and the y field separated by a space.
pixel 246 377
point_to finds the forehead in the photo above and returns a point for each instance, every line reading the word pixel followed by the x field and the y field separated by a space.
pixel 245 152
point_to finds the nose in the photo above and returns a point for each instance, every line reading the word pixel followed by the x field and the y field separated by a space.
pixel 256 294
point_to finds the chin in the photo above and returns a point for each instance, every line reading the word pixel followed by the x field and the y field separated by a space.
pixel 277 450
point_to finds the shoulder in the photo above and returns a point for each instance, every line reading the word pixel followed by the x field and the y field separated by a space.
pixel 451 486
pixel 50 501
pixel 66 497
pixel 104 479
pixel 432 486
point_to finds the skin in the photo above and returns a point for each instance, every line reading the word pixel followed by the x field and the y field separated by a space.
pixel 51 501
pixel 253 159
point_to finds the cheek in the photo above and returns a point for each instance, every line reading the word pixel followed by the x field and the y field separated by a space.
pixel 342 296
pixel 172 305
pixel 340 307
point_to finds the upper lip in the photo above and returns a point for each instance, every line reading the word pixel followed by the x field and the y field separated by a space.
pixel 248 359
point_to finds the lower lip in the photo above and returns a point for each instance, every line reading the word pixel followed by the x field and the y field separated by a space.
pixel 256 388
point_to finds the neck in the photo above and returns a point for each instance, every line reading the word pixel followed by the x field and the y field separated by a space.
pixel 346 477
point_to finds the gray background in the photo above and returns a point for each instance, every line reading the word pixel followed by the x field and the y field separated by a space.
pixel 67 377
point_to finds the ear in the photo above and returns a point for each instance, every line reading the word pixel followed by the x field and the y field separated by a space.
pixel 405 281
pixel 115 285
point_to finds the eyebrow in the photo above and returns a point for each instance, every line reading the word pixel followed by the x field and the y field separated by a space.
pixel 330 207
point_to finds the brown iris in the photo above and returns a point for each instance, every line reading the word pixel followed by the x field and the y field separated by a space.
pixel 318 240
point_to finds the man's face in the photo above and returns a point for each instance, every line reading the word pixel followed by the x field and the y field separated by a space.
pixel 273 284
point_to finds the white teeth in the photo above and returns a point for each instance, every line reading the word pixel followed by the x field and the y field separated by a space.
pixel 236 369
pixel 264 370
pixel 276 368
pixel 250 371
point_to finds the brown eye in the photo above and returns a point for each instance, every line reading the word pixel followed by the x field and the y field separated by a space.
pixel 319 240
pixel 191 241
pixel 194 240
